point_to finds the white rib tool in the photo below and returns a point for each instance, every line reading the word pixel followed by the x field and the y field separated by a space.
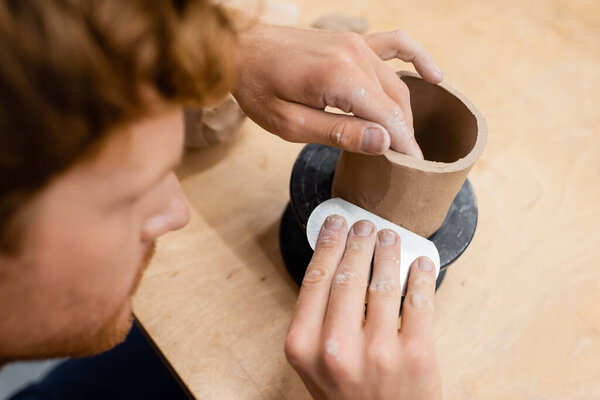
pixel 412 245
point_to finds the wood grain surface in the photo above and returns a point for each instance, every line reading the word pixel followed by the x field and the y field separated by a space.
pixel 518 316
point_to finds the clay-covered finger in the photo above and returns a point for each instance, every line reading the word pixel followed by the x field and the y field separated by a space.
pixel 304 124
pixel 397 90
pixel 352 90
pixel 398 44
pixel 316 285
pixel 417 311
pixel 345 311
pixel 384 294
pixel 367 99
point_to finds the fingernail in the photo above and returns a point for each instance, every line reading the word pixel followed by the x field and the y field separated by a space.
pixel 334 222
pixel 363 228
pixel 425 264
pixel 373 140
pixel 387 238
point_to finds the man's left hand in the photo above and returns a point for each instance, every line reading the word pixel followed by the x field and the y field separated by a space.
pixel 288 76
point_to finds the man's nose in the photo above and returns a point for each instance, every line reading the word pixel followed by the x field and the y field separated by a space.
pixel 169 210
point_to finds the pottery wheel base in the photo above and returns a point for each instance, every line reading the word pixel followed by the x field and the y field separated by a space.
pixel 310 185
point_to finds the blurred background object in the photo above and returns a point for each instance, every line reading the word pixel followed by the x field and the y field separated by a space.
pixel 342 23
pixel 15 376
pixel 213 125
pixel 268 11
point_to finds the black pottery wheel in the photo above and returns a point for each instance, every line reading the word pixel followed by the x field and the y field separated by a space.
pixel 310 185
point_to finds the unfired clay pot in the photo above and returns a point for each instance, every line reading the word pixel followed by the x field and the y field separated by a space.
pixel 207 127
pixel 413 193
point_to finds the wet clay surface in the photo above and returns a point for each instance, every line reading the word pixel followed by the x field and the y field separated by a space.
pixel 445 128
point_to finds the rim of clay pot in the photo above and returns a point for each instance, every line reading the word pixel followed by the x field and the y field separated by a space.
pixel 440 166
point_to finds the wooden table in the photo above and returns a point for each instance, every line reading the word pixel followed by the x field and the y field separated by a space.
pixel 518 316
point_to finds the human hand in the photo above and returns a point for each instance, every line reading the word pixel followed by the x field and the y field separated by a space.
pixel 288 76
pixel 340 354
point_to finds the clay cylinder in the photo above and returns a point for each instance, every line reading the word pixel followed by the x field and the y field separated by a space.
pixel 416 194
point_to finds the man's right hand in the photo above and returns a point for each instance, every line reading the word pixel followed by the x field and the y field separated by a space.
pixel 340 354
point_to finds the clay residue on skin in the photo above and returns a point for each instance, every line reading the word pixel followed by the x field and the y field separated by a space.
pixel 338 137
pixel 383 285
pixel 332 347
pixel 327 239
pixel 397 120
pixel 419 299
pixel 360 245
pixel 419 282
pixel 344 277
pixel 314 273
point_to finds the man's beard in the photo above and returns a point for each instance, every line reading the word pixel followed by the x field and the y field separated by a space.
pixel 118 325
pixel 82 343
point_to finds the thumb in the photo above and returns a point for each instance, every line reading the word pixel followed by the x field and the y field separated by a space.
pixel 309 125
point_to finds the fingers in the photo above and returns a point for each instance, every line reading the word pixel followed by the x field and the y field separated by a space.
pixel 417 312
pixel 357 82
pixel 346 301
pixel 384 295
pixel 305 124
pixel 314 293
pixel 366 99
pixel 398 44
pixel 398 92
